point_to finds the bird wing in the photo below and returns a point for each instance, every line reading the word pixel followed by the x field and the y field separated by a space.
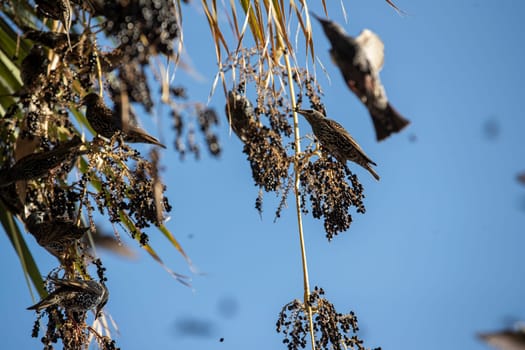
pixel 351 140
pixel 63 284
pixel 373 47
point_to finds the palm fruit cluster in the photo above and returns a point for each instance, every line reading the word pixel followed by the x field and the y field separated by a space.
pixel 262 144
pixel 146 27
pixel 334 330
pixel 332 190
pixel 264 125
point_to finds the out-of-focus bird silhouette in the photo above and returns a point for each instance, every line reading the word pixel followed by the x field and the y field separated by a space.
pixel 360 59
pixel 506 339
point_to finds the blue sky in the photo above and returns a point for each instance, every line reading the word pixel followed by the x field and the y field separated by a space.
pixel 436 258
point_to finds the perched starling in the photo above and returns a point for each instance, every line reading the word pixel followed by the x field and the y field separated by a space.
pixel 55 235
pixel 336 140
pixel 75 295
pixel 360 60
pixel 32 70
pixel 59 10
pixel 52 40
pixel 106 122
pixel 36 165
pixel 240 113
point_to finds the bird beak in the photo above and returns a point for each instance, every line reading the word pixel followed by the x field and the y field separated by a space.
pixel 300 111
pixel 315 16
pixel 98 311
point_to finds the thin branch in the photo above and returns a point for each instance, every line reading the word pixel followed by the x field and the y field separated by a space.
pixel 297 184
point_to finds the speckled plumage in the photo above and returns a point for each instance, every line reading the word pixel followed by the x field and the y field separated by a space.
pixel 361 74
pixel 337 141
pixel 106 122
pixel 240 113
pixel 55 235
pixel 36 165
pixel 75 295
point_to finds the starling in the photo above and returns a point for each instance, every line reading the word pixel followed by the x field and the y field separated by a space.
pixel 55 235
pixel 336 140
pixel 32 70
pixel 52 40
pixel 75 295
pixel 360 60
pixel 59 10
pixel 240 113
pixel 106 123
pixel 36 165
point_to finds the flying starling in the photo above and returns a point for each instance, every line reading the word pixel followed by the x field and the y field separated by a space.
pixel 240 113
pixel 360 60
pixel 55 235
pixel 75 295
pixel 508 339
pixel 106 122
pixel 37 165
pixel 336 140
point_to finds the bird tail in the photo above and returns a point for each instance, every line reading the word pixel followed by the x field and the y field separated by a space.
pixel 139 135
pixel 373 172
pixel 42 304
pixel 387 121
pixel 150 139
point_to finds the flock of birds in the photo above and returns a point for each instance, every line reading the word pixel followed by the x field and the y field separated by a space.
pixel 359 59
